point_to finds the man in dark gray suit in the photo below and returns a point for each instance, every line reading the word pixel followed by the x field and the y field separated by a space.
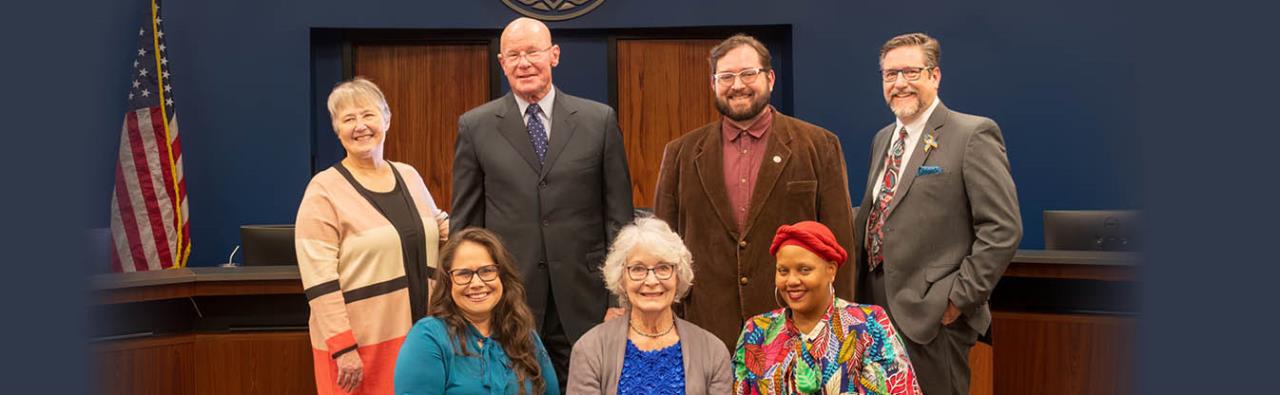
pixel 547 172
pixel 939 219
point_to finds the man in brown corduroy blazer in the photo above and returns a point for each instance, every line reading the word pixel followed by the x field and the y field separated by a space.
pixel 727 186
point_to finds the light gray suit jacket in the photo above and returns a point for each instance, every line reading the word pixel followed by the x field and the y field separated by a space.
pixel 557 218
pixel 596 364
pixel 947 235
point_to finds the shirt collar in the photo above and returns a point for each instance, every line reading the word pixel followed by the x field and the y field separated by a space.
pixel 473 332
pixel 757 128
pixel 917 125
pixel 545 104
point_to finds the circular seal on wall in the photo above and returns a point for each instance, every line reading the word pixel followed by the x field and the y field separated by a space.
pixel 553 10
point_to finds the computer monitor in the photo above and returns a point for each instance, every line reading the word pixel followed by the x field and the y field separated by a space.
pixel 1091 230
pixel 267 245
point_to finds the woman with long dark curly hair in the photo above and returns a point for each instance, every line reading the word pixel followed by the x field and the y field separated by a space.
pixel 479 335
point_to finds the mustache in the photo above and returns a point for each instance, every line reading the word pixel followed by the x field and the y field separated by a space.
pixel 903 90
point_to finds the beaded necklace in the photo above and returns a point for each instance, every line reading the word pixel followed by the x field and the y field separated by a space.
pixel 652 335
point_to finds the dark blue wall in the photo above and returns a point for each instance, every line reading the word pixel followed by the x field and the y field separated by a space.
pixel 1059 77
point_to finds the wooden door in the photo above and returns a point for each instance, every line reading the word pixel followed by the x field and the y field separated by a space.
pixel 427 85
pixel 664 91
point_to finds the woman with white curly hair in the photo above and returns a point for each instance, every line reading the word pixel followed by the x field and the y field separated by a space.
pixel 649 350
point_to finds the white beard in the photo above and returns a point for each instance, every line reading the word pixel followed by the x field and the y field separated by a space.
pixel 907 110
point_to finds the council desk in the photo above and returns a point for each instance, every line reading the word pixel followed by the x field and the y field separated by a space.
pixel 1062 324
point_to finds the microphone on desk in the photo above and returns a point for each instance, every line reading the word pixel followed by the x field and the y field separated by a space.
pixel 230 262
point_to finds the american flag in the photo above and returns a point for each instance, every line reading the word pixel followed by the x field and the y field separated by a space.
pixel 149 226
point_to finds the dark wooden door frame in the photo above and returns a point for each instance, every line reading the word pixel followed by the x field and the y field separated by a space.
pixel 351 38
pixel 769 34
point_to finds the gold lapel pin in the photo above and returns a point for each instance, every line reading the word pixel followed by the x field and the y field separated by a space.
pixel 930 143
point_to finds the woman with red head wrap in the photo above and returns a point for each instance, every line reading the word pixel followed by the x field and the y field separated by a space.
pixel 816 342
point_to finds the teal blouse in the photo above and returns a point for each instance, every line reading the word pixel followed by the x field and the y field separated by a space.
pixel 429 364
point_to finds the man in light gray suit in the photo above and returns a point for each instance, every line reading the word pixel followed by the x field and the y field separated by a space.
pixel 939 220
pixel 546 171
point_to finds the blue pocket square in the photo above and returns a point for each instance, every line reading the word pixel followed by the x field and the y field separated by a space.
pixel 927 170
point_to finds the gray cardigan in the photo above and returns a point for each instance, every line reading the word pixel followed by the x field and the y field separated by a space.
pixel 596 363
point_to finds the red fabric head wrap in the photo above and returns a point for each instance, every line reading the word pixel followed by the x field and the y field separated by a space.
pixel 812 236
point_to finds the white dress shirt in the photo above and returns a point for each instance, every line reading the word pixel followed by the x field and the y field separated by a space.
pixel 544 106
pixel 914 130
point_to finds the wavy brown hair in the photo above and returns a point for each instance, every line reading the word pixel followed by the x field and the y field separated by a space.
pixel 512 323
pixel 740 40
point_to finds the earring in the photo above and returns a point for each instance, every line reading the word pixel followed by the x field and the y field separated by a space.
pixel 778 300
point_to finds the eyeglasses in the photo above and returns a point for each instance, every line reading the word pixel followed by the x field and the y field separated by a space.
pixel 662 271
pixel 537 55
pixel 911 73
pixel 463 277
pixel 747 76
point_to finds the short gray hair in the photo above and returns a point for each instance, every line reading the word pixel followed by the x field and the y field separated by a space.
pixel 653 236
pixel 354 91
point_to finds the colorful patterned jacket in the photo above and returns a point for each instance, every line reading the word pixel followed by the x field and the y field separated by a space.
pixel 855 351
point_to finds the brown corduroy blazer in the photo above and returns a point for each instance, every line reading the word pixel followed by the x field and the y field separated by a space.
pixel 802 177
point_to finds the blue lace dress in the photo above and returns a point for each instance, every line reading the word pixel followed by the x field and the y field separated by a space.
pixel 652 372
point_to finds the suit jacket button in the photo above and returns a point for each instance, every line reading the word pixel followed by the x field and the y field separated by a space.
pixel 743 280
pixel 542 185
pixel 742 244
pixel 546 222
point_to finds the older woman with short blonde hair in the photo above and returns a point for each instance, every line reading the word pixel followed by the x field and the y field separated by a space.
pixel 648 269
pixel 367 235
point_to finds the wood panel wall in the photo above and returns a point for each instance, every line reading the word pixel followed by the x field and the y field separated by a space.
pixel 162 365
pixel 981 370
pixel 664 91
pixel 197 364
pixel 254 363
pixel 427 85
pixel 1053 354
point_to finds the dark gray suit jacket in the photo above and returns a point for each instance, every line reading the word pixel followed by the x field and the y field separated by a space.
pixel 556 218
pixel 947 235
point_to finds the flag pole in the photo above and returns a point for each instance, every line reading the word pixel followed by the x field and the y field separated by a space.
pixel 180 253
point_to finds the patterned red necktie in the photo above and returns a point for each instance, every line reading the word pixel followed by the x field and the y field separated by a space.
pixel 875 224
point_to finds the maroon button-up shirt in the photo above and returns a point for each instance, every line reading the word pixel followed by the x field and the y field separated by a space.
pixel 743 151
